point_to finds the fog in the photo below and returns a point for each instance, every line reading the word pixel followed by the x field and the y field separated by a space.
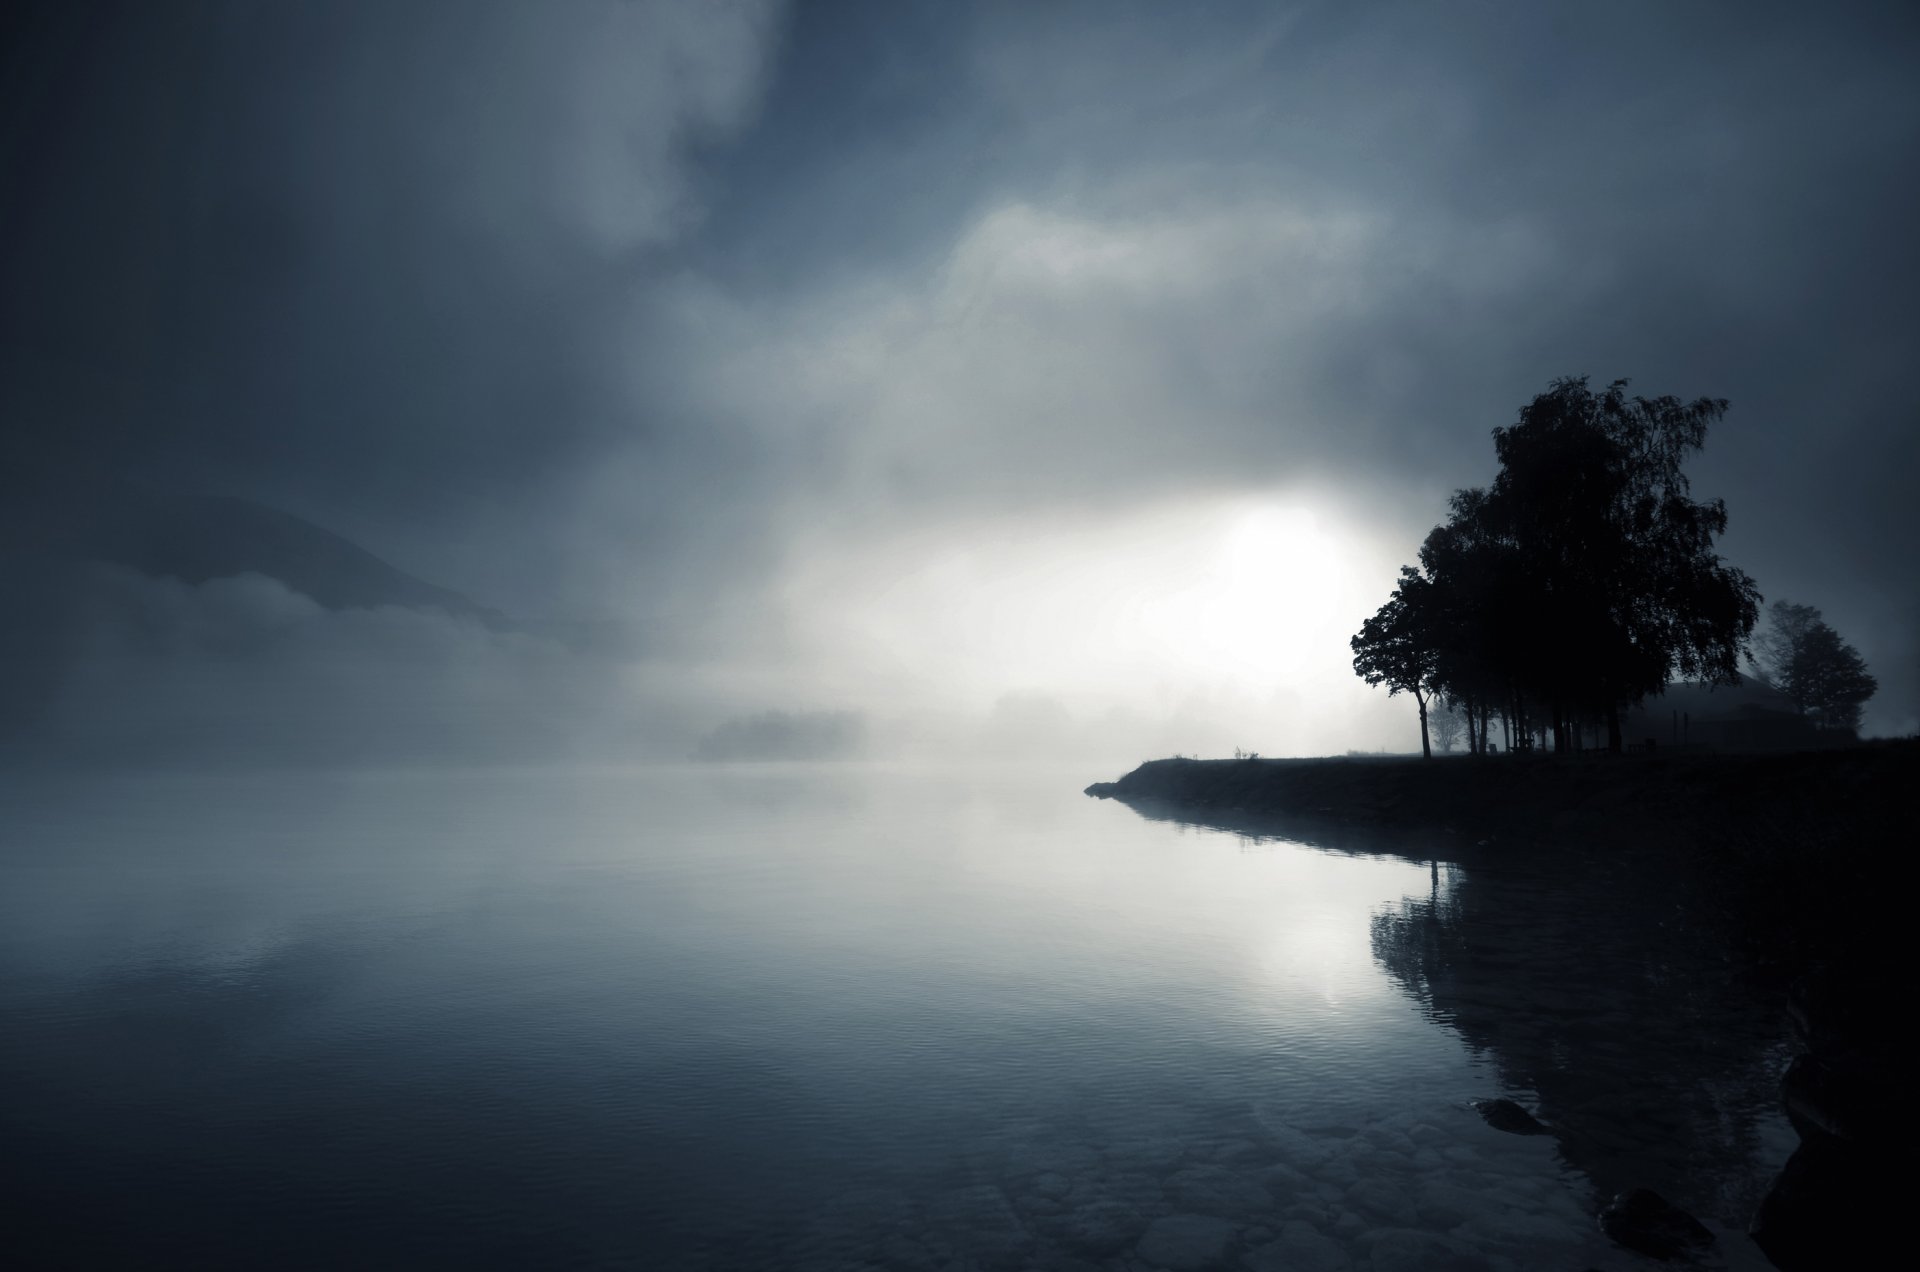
pixel 893 380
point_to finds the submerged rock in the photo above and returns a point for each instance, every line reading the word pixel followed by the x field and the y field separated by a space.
pixel 1407 1250
pixel 1215 1190
pixel 1505 1115
pixel 1384 1201
pixel 1187 1243
pixel 1645 1221
pixel 1299 1248
pixel 1100 1228
pixel 979 1219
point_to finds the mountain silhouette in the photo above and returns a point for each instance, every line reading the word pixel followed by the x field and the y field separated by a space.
pixel 200 537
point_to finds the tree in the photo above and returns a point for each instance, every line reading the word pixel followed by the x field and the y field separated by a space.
pixel 1593 491
pixel 1396 647
pixel 1803 657
pixel 1446 723
pixel 1582 579
pixel 1480 648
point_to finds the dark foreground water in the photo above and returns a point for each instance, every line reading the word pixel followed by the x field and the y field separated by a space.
pixel 816 1018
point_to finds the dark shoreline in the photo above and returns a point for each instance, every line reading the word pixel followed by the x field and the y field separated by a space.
pixel 1787 863
pixel 1793 852
pixel 1677 798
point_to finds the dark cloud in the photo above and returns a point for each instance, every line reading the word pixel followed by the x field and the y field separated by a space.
pixel 645 310
pixel 361 259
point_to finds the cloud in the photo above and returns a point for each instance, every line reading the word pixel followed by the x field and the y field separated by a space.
pixel 1284 259
pixel 244 669
pixel 1099 351
pixel 743 325
pixel 357 260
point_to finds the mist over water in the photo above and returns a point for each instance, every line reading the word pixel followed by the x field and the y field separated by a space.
pixel 796 1016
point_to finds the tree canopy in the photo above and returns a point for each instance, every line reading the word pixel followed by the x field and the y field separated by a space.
pixel 1396 646
pixel 1582 579
pixel 1804 658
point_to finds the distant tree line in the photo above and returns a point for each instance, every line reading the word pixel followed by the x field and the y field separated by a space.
pixel 1583 579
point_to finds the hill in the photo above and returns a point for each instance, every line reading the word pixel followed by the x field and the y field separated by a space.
pixel 199 537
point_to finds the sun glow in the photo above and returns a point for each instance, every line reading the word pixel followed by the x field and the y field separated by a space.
pixel 1258 612
pixel 1220 608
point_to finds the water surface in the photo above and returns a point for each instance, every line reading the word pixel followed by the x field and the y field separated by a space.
pixel 830 1018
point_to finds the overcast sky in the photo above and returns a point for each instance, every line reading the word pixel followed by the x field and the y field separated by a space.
pixel 896 356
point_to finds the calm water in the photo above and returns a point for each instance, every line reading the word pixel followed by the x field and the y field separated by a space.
pixel 815 1018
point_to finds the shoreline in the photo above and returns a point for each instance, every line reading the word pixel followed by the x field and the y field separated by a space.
pixel 1678 798
pixel 1785 861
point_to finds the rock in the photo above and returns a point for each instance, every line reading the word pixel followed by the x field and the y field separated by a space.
pixel 1834 1095
pixel 1027 1160
pixel 1382 1200
pixel 1405 1250
pixel 1186 1243
pixel 1298 1149
pixel 1141 1191
pixel 1839 1198
pixel 1645 1221
pixel 1215 1190
pixel 1231 1152
pixel 1340 1172
pixel 1299 1249
pixel 1505 1115
pixel 979 1219
pixel 1284 1180
pixel 904 1254
pixel 1156 1153
pixel 1833 1206
pixel 1447 1205
pixel 1100 1228
pixel 1052 1185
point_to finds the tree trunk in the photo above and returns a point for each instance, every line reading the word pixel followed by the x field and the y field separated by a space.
pixel 1426 747
pixel 1613 726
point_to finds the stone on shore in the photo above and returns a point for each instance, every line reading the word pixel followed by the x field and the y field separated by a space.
pixel 1645 1221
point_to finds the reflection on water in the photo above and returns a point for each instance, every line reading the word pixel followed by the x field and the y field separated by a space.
pixel 1657 1066
pixel 794 1018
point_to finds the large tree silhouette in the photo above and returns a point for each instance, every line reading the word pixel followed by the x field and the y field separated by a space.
pixel 1584 577
pixel 1396 647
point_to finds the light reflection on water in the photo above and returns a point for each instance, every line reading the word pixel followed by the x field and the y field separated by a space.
pixel 826 1018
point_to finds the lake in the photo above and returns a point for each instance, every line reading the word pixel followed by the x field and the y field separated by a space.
pixel 834 1017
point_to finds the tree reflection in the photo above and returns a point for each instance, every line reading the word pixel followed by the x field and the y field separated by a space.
pixel 1597 994
pixel 1599 1003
